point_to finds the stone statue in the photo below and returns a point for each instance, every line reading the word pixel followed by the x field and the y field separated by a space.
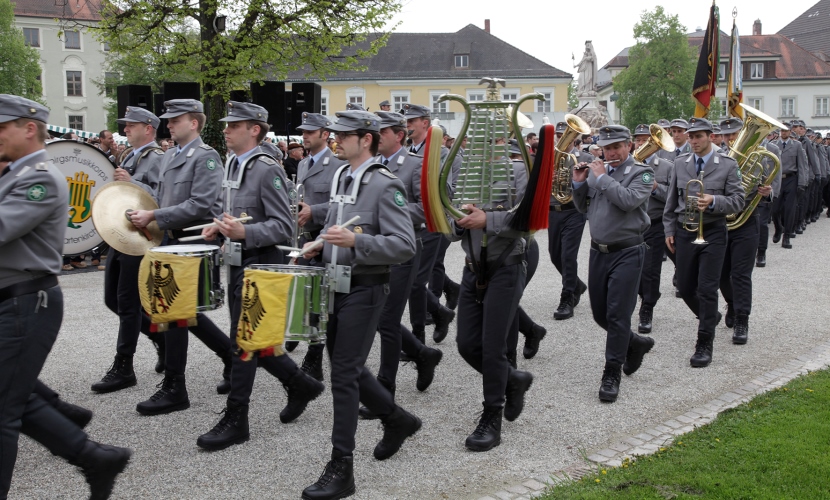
pixel 587 68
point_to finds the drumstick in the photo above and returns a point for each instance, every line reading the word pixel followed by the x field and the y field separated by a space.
pixel 319 241
pixel 202 226
pixel 192 238
pixel 289 249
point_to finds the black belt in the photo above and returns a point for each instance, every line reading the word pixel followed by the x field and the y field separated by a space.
pixel 786 176
pixel 27 287
pixel 509 261
pixel 178 234
pixel 369 279
pixel 616 247
pixel 563 208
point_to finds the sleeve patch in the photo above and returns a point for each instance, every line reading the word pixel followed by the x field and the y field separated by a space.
pixel 647 178
pixel 36 192
pixel 277 183
pixel 211 164
pixel 399 199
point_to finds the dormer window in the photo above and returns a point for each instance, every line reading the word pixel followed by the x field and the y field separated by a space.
pixel 462 61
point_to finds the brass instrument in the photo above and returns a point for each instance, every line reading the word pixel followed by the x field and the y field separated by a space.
pixel 562 188
pixel 660 139
pixel 521 120
pixel 689 216
pixel 295 197
pixel 748 152
pixel 123 155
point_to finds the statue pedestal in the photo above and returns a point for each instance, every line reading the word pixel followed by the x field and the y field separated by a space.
pixel 594 116
pixel 589 98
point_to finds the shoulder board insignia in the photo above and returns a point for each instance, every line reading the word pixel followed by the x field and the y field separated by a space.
pixel 416 155
pixel 387 173
pixel 268 160
pixel 158 151
pixel 684 154
pixel 42 166
pixel 205 146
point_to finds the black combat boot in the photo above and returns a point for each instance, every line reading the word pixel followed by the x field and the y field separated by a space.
pixel 301 389
pixel 581 288
pixel 224 386
pixel 158 343
pixel 336 482
pixel 786 242
pixel 419 334
pixel 452 290
pixel 101 464
pixel 739 336
pixel 761 259
pixel 427 360
pixel 609 389
pixel 443 317
pixel 397 426
pixel 232 429
pixel 366 413
pixel 291 345
pixel 120 375
pixel 646 314
pixel 638 347
pixel 518 383
pixel 566 306
pixel 532 340
pixel 703 351
pixel 171 396
pixel 730 316
pixel 79 415
pixel 313 363
pixel 487 434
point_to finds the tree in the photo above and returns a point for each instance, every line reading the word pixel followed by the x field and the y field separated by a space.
pixel 232 43
pixel 573 101
pixel 658 81
pixel 20 65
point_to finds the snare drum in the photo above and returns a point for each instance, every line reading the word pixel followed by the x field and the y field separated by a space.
pixel 211 295
pixel 307 305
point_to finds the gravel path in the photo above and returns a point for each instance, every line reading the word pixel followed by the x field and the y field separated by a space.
pixel 562 422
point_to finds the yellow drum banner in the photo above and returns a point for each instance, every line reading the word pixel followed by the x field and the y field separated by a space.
pixel 168 285
pixel 264 311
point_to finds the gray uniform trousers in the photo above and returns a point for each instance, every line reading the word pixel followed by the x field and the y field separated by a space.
pixel 655 238
pixel 564 237
pixel 421 300
pixel 522 322
pixel 698 272
pixel 738 264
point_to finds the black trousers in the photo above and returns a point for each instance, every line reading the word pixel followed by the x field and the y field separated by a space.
pixel 801 205
pixel 698 273
pixel 564 236
pixel 121 297
pixel 787 204
pixel 738 263
pixel 483 328
pixel 523 322
pixel 655 238
pixel 351 331
pixel 422 300
pixel 243 373
pixel 613 279
pixel 764 212
pixel 439 272
pixel 389 326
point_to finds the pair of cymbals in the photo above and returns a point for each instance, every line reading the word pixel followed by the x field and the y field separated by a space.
pixel 110 209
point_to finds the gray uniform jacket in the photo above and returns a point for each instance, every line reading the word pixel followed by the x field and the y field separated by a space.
pixel 812 156
pixel 672 155
pixel 145 167
pixel 581 156
pixel 662 174
pixel 316 183
pixel 617 204
pixel 794 160
pixel 407 168
pixel 190 187
pixel 721 178
pixel 263 195
pixel 385 236
pixel 499 233
pixel 821 152
pixel 776 183
pixel 34 200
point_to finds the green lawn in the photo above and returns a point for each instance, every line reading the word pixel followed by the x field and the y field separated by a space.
pixel 776 446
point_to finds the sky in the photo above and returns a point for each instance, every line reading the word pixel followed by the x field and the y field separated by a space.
pixel 552 30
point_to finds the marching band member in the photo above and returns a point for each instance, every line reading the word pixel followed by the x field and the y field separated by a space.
pixel 765 206
pixel 795 176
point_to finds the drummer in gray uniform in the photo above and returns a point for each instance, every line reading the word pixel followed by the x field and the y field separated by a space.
pixel 33 202
pixel 314 172
pixel 189 193
pixel 654 237
pixel 616 199
pixel 358 260
pixel 142 166
pixel 255 186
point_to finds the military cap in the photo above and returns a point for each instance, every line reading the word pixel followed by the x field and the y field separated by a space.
pixel 390 119
pixel 314 121
pixel 178 107
pixel 810 132
pixel 799 123
pixel 696 124
pixel 664 123
pixel 384 103
pixel 610 134
pixel 513 147
pixel 717 130
pixel 561 127
pixel 415 111
pixel 134 114
pixel 354 107
pixel 731 125
pixel 348 121
pixel 642 129
pixel 242 111
pixel 679 123
pixel 13 107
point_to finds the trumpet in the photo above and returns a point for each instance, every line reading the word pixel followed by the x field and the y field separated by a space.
pixel 689 216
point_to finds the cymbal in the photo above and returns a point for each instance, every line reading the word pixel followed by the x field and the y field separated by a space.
pixel 109 215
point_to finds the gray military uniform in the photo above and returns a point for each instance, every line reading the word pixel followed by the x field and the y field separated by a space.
pixel 407 168
pixel 145 167
pixel 316 181
pixel 662 174
pixel 776 183
pixel 793 161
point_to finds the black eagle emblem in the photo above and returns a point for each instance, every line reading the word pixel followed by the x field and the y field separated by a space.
pixel 252 309
pixel 162 290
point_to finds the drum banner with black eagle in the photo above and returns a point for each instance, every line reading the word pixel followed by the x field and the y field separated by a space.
pixel 266 298
pixel 168 285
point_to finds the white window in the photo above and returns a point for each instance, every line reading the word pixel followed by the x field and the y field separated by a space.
pixel 356 95
pixel 399 99
pixel 756 71
pixel 32 36
pixel 106 46
pixel 756 102
pixel 788 106
pixel 722 71
pixel 75 121
pixel 509 94
pixel 723 110
pixel 324 102
pixel 72 40
pixel 822 106
pixel 475 95
pixel 74 85
pixel 437 107
pixel 545 106
pixel 462 61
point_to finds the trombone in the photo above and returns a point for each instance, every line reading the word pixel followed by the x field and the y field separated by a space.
pixel 689 216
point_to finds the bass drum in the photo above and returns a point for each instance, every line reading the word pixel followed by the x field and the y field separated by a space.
pixel 87 169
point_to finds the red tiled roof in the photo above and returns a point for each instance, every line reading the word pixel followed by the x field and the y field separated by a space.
pixel 82 10
pixel 796 62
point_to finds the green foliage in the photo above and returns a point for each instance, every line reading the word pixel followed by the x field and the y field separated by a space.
pixel 19 66
pixel 573 101
pixel 658 81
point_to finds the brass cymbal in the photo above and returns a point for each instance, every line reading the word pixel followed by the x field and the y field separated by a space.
pixel 109 215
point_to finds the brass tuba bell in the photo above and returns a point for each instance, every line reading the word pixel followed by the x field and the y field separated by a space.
pixel 659 139
pixel 562 188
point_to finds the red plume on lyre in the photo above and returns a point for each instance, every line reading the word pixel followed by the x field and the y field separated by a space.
pixel 532 213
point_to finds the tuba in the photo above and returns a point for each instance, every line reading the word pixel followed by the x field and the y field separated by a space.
pixel 659 139
pixel 562 188
pixel 748 152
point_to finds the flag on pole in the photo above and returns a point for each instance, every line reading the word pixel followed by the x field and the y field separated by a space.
pixel 735 92
pixel 706 76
